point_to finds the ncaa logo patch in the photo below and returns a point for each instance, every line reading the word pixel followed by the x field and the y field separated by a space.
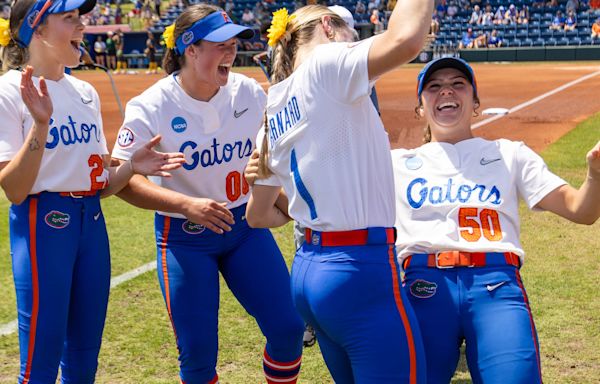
pixel 423 289
pixel 187 37
pixel 192 228
pixel 57 219
pixel 125 138
pixel 179 124
pixel 413 163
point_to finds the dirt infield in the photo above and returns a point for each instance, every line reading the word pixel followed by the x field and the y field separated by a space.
pixel 500 85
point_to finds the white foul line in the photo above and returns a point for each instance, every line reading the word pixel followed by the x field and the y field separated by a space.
pixel 11 327
pixel 535 100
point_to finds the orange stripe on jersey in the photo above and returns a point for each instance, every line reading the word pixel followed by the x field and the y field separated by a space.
pixel 531 323
pixel 35 286
pixel 165 273
pixel 409 336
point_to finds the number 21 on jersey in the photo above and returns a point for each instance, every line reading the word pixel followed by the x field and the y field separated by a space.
pixel 475 222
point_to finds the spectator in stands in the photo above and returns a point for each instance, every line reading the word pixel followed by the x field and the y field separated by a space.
pixel 248 18
pixel 100 51
pixel 150 53
pixel 376 22
pixel 572 5
pixel 523 15
pixel 494 41
pixel 435 24
pixel 391 4
pixel 360 8
pixel 373 4
pixel 467 40
pixel 537 4
pixel 476 16
pixel 146 15
pixel 558 23
pixel 118 14
pixel 441 9
pixel 571 22
pixel 229 6
pixel 119 39
pixel 157 7
pixel 552 4
pixel 510 16
pixel 451 11
pixel 596 29
pixel 481 40
pixel 499 15
pixel 488 16
pixel 111 51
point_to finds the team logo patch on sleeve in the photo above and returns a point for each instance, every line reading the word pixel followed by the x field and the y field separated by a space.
pixel 423 289
pixel 192 228
pixel 126 137
pixel 179 124
pixel 56 219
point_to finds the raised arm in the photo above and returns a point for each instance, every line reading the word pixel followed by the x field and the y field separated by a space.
pixel 18 175
pixel 404 38
pixel 578 205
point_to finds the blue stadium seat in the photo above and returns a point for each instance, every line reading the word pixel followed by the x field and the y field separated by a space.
pixel 539 42
pixel 586 41
pixel 562 41
pixel 551 42
pixel 527 43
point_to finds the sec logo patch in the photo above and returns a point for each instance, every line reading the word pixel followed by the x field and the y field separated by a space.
pixel 126 138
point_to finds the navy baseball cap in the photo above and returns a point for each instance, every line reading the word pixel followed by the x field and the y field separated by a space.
pixel 445 62
pixel 216 27
pixel 42 8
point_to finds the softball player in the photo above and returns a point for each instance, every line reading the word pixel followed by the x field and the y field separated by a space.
pixel 52 170
pixel 458 232
pixel 212 116
pixel 326 147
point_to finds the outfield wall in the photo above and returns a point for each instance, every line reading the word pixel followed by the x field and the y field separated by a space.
pixel 531 54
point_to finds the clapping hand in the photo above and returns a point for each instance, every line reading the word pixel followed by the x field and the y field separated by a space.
pixel 149 162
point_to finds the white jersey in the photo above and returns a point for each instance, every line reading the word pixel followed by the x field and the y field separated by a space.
pixel 217 137
pixel 72 156
pixel 466 196
pixel 327 146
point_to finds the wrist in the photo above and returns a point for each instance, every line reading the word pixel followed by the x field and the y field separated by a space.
pixel 130 167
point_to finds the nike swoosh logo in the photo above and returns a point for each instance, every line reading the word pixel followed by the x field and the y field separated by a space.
pixel 97 216
pixel 485 161
pixel 86 101
pixel 243 217
pixel 237 114
pixel 492 287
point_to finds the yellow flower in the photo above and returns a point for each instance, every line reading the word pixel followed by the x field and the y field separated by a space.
pixel 278 25
pixel 4 32
pixel 169 36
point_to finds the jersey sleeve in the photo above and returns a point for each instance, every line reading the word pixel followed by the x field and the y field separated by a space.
pixel 137 129
pixel 534 180
pixel 11 129
pixel 342 69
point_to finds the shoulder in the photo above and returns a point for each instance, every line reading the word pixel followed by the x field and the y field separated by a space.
pixel 239 81
pixel 154 95
pixel 10 81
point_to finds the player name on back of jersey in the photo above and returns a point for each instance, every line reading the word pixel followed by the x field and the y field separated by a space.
pixel 420 191
pixel 71 133
pixel 285 120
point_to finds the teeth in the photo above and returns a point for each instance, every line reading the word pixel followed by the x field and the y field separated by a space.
pixel 225 65
pixel 447 105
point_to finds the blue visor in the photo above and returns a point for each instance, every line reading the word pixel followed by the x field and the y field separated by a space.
pixel 42 8
pixel 216 27
pixel 445 62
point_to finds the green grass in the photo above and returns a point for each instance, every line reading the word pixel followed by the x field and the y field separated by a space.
pixel 561 273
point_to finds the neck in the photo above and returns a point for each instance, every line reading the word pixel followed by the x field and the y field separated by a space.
pixel 195 87
pixel 451 136
pixel 43 66
pixel 305 50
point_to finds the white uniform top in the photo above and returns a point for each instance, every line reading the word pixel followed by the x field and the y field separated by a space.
pixel 466 196
pixel 75 137
pixel 217 137
pixel 327 145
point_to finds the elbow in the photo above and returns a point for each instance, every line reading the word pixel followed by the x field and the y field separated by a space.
pixel 254 221
pixel 15 198
pixel 414 46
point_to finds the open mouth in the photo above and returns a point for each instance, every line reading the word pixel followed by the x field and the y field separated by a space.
pixel 447 106
pixel 224 69
pixel 76 44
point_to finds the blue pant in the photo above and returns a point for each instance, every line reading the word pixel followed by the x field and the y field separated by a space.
pixel 485 306
pixel 61 268
pixel 190 258
pixel 367 331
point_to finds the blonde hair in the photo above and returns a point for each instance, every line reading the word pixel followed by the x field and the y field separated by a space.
pixel 173 62
pixel 299 31
pixel 13 55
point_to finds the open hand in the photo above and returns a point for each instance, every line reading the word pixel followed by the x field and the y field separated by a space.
pixel 38 101
pixel 149 162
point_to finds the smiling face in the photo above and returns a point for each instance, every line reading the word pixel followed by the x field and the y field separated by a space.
pixel 211 62
pixel 58 39
pixel 448 105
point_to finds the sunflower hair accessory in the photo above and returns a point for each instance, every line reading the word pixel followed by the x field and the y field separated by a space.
pixel 169 36
pixel 279 23
pixel 4 32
